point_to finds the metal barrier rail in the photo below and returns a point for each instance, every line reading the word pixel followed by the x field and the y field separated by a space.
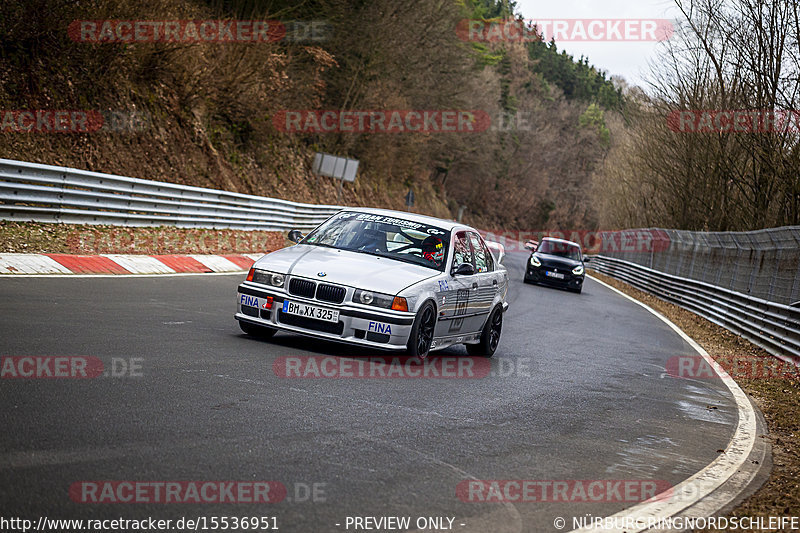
pixel 44 193
pixel 772 326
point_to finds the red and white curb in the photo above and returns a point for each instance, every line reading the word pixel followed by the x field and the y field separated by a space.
pixel 11 264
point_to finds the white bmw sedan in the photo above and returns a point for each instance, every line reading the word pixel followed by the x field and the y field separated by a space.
pixel 384 279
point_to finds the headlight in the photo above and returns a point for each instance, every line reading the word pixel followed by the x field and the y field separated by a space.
pixel 373 298
pixel 578 270
pixel 269 278
pixel 535 261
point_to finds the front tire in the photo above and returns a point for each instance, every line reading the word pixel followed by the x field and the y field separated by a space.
pixel 490 337
pixel 421 337
pixel 260 332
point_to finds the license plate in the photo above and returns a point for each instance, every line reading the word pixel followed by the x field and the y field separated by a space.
pixel 556 275
pixel 310 311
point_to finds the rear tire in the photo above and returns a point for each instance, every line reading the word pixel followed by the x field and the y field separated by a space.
pixel 421 337
pixel 490 337
pixel 261 332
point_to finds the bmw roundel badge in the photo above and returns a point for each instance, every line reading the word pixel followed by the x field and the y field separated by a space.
pixel 322 274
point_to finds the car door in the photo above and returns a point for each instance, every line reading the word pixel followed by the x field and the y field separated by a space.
pixel 485 284
pixel 457 312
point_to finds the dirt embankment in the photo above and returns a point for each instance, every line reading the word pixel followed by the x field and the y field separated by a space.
pixel 30 237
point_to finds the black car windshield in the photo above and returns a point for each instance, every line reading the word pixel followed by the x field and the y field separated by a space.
pixel 385 236
pixel 561 249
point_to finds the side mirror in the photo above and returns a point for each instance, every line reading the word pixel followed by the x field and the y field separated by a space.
pixel 530 245
pixel 464 269
pixel 295 235
pixel 586 258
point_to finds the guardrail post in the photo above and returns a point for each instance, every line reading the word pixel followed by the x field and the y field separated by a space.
pixel 61 188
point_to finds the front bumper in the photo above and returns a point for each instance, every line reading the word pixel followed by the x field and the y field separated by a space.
pixel 372 327
pixel 538 275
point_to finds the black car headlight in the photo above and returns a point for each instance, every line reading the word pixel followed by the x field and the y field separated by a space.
pixel 578 270
pixel 269 278
pixel 535 261
pixel 373 298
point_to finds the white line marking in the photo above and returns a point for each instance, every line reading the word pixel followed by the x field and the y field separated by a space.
pixel 710 478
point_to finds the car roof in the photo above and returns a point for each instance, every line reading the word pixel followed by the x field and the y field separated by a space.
pixel 563 241
pixel 413 217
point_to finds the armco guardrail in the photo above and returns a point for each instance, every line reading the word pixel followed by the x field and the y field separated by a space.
pixel 43 193
pixel 773 326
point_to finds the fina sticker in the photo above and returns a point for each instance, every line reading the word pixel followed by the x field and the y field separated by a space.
pixel 250 301
pixel 380 327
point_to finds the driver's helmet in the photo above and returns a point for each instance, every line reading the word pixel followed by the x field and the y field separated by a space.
pixel 433 250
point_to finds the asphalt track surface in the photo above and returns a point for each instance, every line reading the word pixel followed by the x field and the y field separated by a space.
pixel 578 391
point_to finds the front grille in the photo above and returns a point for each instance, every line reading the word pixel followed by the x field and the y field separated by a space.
pixel 330 293
pixel 302 287
pixel 310 323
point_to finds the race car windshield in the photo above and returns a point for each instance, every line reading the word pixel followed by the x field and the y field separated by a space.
pixel 560 249
pixel 385 236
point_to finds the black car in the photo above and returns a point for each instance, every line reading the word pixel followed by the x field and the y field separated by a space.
pixel 558 263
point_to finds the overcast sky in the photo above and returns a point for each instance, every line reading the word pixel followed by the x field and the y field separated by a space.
pixel 628 59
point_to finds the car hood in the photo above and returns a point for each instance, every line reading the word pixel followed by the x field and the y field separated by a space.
pixel 342 267
pixel 556 261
